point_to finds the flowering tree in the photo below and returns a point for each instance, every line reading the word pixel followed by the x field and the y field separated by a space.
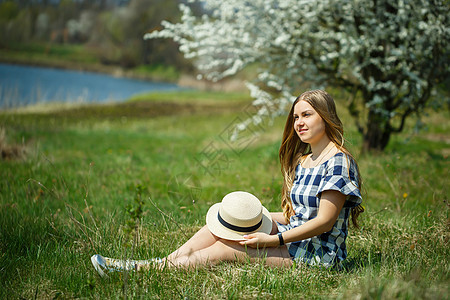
pixel 389 54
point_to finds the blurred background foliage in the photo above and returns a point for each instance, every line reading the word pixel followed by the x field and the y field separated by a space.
pixel 108 32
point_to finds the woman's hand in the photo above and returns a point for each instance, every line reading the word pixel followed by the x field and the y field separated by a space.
pixel 260 240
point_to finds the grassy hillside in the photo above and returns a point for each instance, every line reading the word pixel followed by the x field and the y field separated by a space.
pixel 79 57
pixel 69 177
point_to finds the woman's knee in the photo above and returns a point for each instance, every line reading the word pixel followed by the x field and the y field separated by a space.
pixel 217 252
pixel 227 250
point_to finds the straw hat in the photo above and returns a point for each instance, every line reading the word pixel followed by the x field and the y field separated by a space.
pixel 238 214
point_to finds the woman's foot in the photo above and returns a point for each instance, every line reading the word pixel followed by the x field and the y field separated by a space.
pixel 105 265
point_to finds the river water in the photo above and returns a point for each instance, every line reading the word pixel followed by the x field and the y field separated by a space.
pixel 25 85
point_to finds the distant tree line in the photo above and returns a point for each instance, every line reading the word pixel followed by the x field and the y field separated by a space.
pixel 113 29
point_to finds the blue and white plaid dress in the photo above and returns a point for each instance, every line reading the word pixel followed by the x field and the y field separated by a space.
pixel 338 173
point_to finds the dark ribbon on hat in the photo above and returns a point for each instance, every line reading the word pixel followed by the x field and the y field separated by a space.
pixel 238 228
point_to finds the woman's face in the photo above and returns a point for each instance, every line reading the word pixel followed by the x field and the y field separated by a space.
pixel 308 124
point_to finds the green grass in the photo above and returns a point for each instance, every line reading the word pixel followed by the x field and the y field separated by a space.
pixel 49 52
pixel 194 96
pixel 64 198
pixel 79 57
pixel 158 72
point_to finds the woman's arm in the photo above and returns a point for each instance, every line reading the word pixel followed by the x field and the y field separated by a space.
pixel 331 203
pixel 330 206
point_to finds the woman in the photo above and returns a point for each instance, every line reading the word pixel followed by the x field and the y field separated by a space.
pixel 321 190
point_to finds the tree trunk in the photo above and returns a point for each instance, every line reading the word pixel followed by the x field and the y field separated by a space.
pixel 377 133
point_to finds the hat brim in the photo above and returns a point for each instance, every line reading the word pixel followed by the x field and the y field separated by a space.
pixel 221 231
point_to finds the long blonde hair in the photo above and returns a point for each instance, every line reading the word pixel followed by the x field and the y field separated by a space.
pixel 292 148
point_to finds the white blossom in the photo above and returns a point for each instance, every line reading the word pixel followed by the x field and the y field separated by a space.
pixel 385 49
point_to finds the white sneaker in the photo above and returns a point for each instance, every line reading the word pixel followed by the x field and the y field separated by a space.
pixel 105 264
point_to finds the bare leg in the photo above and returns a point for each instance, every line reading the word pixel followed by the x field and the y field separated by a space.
pixel 278 217
pixel 202 239
pixel 223 250
pixel 206 248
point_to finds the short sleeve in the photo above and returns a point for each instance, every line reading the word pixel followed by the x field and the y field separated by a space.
pixel 341 175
